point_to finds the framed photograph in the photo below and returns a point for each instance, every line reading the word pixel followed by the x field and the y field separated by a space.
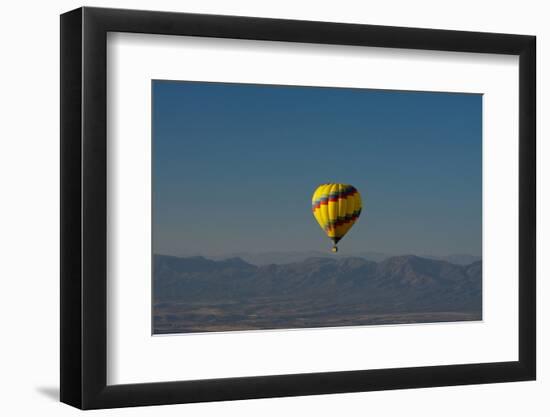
pixel 258 208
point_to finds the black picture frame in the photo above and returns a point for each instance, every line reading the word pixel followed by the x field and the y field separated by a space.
pixel 84 207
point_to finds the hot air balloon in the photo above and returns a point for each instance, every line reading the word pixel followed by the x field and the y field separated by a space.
pixel 336 207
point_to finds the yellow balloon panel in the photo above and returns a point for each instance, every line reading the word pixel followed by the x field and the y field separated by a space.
pixel 336 207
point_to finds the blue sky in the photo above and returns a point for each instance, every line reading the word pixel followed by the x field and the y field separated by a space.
pixel 235 166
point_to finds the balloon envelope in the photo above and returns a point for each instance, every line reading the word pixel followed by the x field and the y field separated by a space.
pixel 336 207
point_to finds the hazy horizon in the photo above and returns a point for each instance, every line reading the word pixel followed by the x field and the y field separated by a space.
pixel 285 258
pixel 327 252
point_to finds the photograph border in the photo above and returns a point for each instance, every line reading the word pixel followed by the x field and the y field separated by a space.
pixel 83 312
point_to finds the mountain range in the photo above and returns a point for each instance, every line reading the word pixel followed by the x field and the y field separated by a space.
pixel 287 257
pixel 196 294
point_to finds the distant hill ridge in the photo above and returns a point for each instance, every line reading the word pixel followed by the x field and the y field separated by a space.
pixel 399 283
pixel 281 257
